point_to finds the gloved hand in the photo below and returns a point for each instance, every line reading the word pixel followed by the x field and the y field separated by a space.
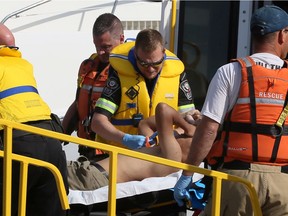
pixel 181 189
pixel 134 141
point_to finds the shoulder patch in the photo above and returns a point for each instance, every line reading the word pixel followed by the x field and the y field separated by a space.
pixel 185 87
pixel 111 86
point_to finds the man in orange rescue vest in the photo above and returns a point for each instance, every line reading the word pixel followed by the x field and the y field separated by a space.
pixel 248 98
pixel 93 72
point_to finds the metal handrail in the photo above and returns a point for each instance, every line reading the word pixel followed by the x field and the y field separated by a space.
pixel 15 13
pixel 24 161
pixel 114 151
pixel 173 25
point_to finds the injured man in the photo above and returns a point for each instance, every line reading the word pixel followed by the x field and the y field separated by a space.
pixel 175 133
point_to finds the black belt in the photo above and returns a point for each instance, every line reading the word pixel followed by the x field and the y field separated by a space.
pixel 44 124
pixel 241 165
pixel 100 168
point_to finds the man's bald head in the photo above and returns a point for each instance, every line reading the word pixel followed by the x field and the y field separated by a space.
pixel 6 36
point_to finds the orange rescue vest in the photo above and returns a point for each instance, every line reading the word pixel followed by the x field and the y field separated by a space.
pixel 90 86
pixel 249 132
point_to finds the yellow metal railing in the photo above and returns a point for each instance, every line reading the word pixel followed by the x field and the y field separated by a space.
pixel 173 25
pixel 24 161
pixel 114 151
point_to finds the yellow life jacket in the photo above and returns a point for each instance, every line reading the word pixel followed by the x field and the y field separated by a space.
pixel 249 131
pixel 135 98
pixel 20 101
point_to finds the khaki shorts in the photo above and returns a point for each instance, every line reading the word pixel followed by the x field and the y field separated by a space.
pixel 270 185
pixel 85 176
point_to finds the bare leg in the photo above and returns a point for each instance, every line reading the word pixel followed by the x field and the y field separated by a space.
pixel 168 148
pixel 147 126
pixel 166 117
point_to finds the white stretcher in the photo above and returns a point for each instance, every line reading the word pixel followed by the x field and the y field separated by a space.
pixel 126 190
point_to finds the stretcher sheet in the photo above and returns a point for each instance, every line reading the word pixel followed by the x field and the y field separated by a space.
pixel 126 189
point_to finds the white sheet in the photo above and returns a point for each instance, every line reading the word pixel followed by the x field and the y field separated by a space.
pixel 126 189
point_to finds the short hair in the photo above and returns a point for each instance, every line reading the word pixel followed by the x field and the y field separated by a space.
pixel 148 40
pixel 261 39
pixel 107 22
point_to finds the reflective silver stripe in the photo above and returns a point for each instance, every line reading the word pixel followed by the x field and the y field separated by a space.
pixel 260 101
pixel 95 89
pixel 86 87
pixel 118 56
pixel 247 62
pixel 186 108
pixel 171 58
pixel 107 105
pixel 98 89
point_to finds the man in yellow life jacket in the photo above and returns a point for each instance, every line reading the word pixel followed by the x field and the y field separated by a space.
pixel 21 102
pixel 141 75
pixel 92 76
pixel 248 99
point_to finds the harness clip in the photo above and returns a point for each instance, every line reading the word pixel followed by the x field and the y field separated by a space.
pixel 279 129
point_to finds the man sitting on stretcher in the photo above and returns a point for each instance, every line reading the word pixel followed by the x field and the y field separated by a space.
pixel 173 145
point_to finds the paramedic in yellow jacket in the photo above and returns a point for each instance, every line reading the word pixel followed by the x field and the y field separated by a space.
pixel 21 102
pixel 142 75
pixel 92 76
pixel 247 98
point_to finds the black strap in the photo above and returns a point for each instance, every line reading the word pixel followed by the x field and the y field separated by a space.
pixel 253 112
pixel 278 138
pixel 270 130
pixel 226 127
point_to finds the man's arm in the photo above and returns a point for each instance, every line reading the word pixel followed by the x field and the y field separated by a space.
pixel 70 119
pixel 102 126
pixel 147 126
pixel 203 140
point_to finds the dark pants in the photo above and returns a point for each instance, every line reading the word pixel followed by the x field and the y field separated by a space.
pixel 42 193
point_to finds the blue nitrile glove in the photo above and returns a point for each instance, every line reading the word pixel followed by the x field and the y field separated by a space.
pixel 134 141
pixel 197 192
pixel 181 193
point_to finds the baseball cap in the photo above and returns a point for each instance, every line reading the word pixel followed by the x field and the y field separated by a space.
pixel 268 19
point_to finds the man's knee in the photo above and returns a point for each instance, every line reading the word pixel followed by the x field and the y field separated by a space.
pixel 162 109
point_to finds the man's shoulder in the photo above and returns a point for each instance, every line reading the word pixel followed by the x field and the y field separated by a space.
pixel 88 64
pixel 92 57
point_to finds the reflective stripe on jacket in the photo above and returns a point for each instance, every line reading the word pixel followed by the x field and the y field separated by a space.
pixel 249 132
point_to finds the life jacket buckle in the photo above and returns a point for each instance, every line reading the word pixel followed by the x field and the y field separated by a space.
pixel 279 130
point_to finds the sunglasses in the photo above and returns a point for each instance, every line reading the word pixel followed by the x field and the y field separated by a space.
pixel 11 47
pixel 149 64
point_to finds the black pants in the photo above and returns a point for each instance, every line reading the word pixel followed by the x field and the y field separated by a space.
pixel 42 193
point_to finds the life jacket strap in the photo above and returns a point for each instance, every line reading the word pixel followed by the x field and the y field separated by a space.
pixel 273 130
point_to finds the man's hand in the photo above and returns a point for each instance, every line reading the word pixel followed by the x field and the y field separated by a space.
pixel 134 141
pixel 193 117
pixel 181 188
